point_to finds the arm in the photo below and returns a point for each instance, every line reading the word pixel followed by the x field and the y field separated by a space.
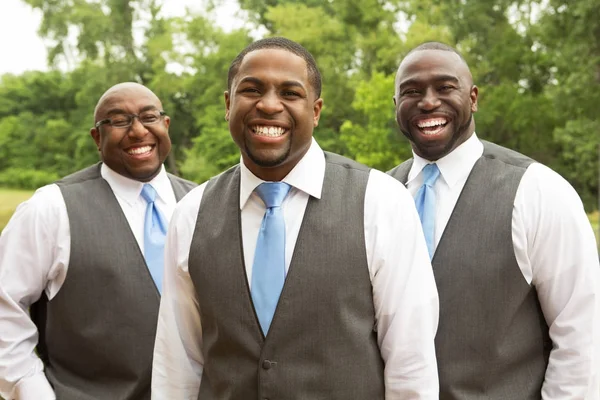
pixel 404 291
pixel 178 360
pixel 555 243
pixel 34 252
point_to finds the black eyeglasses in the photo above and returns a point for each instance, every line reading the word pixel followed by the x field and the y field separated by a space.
pixel 149 117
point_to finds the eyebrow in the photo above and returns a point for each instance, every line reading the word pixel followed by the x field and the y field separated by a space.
pixel 438 78
pixel 120 111
pixel 251 79
pixel 293 83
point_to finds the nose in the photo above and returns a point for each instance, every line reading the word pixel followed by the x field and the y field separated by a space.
pixel 429 101
pixel 137 129
pixel 270 103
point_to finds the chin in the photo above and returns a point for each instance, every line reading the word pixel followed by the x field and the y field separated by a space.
pixel 271 159
pixel 144 175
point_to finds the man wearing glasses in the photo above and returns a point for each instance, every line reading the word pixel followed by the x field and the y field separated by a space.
pixel 81 264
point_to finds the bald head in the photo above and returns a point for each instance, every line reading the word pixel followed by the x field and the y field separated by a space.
pixel 441 47
pixel 124 90
pixel 434 88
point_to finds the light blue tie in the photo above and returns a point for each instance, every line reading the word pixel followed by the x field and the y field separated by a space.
pixel 425 202
pixel 268 270
pixel 155 229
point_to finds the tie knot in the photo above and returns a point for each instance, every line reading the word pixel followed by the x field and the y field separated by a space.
pixel 148 193
pixel 273 193
pixel 430 174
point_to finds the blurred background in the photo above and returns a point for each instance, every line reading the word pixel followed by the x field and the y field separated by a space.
pixel 537 65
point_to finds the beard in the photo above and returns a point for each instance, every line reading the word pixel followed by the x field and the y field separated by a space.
pixel 270 161
pixel 459 135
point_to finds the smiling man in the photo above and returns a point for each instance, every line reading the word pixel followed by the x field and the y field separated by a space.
pixel 514 255
pixel 85 257
pixel 297 274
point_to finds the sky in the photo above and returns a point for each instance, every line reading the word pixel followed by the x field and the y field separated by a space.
pixel 21 49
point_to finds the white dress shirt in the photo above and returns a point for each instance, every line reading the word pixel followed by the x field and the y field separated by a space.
pixel 404 292
pixel 556 251
pixel 34 256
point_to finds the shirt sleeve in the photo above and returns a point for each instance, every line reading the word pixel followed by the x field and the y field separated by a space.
pixel 178 360
pixel 404 292
pixel 555 247
pixel 34 252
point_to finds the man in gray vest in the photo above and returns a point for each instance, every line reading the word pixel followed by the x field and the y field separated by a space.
pixel 297 274
pixel 514 255
pixel 85 256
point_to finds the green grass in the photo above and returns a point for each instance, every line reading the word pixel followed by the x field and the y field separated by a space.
pixel 9 200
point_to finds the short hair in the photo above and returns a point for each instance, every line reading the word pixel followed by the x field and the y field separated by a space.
pixel 436 46
pixel 314 76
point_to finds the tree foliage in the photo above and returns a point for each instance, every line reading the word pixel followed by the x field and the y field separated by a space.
pixel 536 63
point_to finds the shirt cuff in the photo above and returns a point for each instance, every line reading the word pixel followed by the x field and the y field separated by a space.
pixel 35 387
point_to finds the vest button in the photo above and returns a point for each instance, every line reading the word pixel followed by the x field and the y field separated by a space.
pixel 266 364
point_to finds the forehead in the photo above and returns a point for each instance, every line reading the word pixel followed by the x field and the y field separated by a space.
pixel 129 99
pixel 273 66
pixel 427 64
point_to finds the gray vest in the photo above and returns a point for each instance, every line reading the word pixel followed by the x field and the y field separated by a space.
pixel 97 334
pixel 321 344
pixel 492 342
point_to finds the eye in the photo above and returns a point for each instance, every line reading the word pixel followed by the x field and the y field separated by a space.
pixel 410 92
pixel 119 120
pixel 149 118
pixel 445 88
pixel 290 93
pixel 249 90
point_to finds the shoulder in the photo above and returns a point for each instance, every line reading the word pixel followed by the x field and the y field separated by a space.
pixel 336 160
pixel 43 210
pixel 546 185
pixel 187 185
pixel 400 172
pixel 86 174
pixel 189 205
pixel 46 197
pixel 186 210
pixel 546 203
pixel 492 151
pixel 387 194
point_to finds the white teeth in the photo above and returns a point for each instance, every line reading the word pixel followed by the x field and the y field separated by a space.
pixel 139 150
pixel 271 131
pixel 431 122
pixel 434 131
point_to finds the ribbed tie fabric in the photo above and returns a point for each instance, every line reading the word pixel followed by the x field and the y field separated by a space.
pixel 155 229
pixel 425 202
pixel 268 270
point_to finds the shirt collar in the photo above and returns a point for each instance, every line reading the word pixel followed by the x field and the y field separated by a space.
pixel 130 189
pixel 307 175
pixel 453 166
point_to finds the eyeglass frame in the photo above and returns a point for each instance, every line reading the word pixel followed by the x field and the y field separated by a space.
pixel 161 113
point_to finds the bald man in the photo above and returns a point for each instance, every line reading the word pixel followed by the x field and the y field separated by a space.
pixel 513 254
pixel 81 264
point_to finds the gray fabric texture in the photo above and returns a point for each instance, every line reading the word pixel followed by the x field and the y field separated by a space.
pixel 492 342
pixel 97 334
pixel 321 344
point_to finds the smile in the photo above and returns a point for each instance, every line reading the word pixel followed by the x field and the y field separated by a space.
pixel 432 126
pixel 136 151
pixel 268 131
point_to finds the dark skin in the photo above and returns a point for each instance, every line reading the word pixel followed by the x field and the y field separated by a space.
pixel 136 152
pixel 272 111
pixel 435 100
